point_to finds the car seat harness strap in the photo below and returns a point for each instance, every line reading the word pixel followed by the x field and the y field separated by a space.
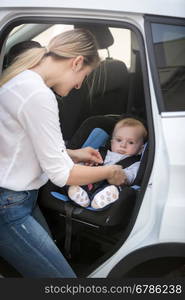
pixel 67 245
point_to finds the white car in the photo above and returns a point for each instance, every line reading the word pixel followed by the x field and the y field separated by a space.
pixel 142 45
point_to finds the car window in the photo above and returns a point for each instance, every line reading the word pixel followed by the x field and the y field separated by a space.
pixel 45 36
pixel 121 48
pixel 169 48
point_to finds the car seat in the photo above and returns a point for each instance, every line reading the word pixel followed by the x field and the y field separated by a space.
pixel 116 215
pixel 104 92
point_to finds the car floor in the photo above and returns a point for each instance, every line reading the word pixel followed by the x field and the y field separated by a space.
pixel 88 250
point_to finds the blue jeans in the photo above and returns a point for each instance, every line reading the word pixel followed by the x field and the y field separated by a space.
pixel 96 138
pixel 23 241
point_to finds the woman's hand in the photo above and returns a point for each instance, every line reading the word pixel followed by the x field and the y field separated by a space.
pixel 82 175
pixel 117 175
pixel 86 155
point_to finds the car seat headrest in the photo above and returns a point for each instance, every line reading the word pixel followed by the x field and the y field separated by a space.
pixel 110 75
pixel 101 32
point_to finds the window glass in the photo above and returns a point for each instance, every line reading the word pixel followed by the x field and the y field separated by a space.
pixel 121 48
pixel 169 47
pixel 44 37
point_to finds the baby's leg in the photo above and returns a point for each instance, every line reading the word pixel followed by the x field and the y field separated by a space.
pixel 106 196
pixel 78 195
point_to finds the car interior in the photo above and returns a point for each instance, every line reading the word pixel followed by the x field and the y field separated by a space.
pixel 115 89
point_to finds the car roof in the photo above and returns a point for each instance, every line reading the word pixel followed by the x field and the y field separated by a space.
pixel 175 8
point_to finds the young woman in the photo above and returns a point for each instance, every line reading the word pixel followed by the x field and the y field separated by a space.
pixel 32 148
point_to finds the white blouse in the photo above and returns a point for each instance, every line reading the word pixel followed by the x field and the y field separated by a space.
pixel 32 148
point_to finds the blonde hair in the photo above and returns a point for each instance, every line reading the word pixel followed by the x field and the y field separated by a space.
pixel 68 44
pixel 131 122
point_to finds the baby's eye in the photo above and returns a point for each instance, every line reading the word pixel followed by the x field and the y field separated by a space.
pixel 118 140
pixel 131 143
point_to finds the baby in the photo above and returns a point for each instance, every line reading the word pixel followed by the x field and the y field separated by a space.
pixel 127 142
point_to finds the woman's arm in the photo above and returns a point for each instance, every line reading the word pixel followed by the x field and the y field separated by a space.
pixel 82 175
pixel 85 155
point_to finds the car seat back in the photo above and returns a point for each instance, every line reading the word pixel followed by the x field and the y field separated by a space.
pixel 104 92
pixel 109 88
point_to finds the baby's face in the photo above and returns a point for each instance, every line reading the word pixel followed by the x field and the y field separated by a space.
pixel 127 140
